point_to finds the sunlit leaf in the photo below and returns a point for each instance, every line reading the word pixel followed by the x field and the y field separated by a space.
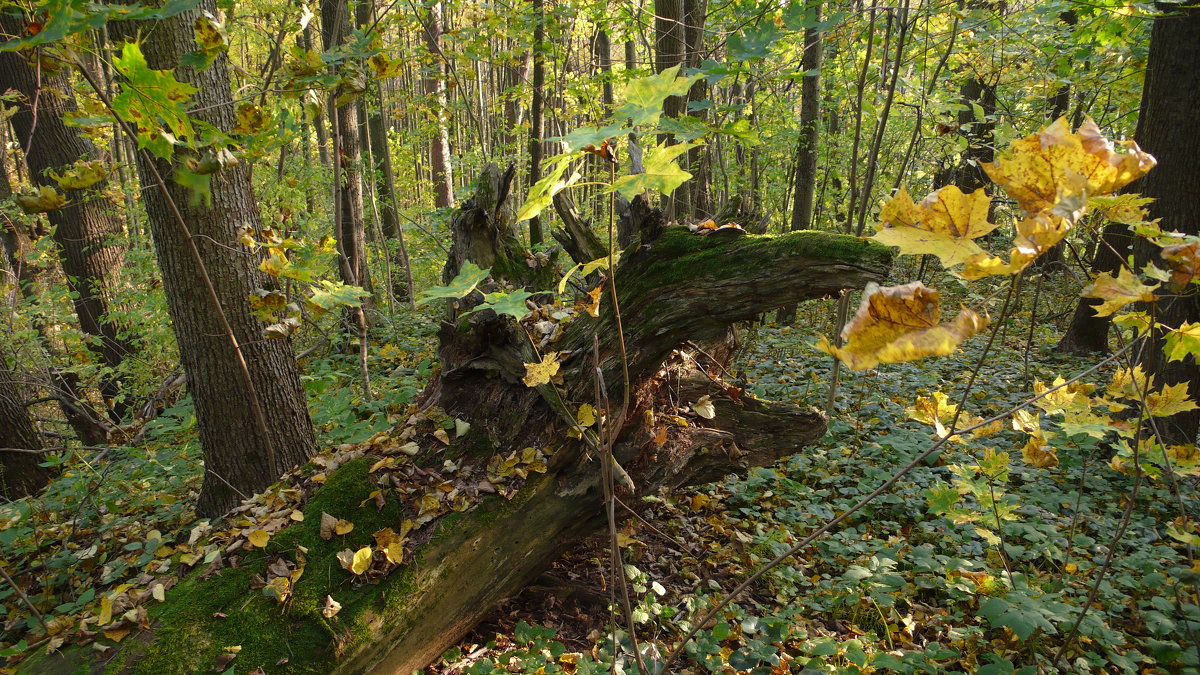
pixel 900 323
pixel 362 560
pixel 1116 292
pixel 943 224
pixel 1182 341
pixel 1034 167
pixel 662 172
pixel 541 372
pixel 1171 400
pixel 467 279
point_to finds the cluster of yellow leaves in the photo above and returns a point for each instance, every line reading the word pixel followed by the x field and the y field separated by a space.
pixel 900 323
pixel 1051 174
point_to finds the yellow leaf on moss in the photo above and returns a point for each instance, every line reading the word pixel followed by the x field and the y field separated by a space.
pixel 343 527
pixel 259 538
pixel 362 560
pixel 1116 292
pixel 943 224
pixel 541 372
pixel 900 323
pixel 1035 166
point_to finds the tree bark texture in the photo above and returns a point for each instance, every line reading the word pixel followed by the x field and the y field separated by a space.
pixel 351 242
pixel 83 229
pixel 537 109
pixel 239 460
pixel 20 473
pixel 434 86
pixel 1169 128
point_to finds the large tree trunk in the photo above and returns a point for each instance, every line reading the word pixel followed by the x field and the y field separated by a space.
pixel 240 456
pixel 677 291
pixel 20 473
pixel 84 228
pixel 1169 128
pixel 89 426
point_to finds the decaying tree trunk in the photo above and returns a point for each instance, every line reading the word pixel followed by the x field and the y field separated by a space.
pixel 680 294
pixel 676 289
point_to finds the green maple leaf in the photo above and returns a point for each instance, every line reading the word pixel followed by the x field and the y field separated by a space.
pixel 153 101
pixel 662 173
pixel 541 195
pixel 468 278
pixel 1183 341
pixel 333 294
pixel 512 304
pixel 644 96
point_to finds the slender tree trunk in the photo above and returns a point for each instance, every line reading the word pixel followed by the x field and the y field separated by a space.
pixel 1169 128
pixel 85 227
pixel 805 185
pixel 434 86
pixel 240 456
pixel 537 127
pixel 347 161
pixel 20 472
pixel 89 427
pixel 670 48
pixel 699 159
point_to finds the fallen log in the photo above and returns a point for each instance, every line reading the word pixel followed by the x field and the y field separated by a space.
pixel 680 294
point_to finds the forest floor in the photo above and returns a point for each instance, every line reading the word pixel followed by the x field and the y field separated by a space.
pixel 895 588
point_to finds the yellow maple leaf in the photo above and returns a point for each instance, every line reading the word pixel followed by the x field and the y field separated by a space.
pixel 1130 384
pixel 1035 166
pixel 541 372
pixel 1039 453
pixel 900 323
pixel 943 224
pixel 1171 400
pixel 586 415
pixel 932 410
pixel 1116 292
pixel 1074 397
pixel 1035 235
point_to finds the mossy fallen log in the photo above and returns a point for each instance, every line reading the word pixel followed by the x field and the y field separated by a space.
pixel 680 294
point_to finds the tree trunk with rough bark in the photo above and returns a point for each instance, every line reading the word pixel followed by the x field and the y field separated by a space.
pixel 83 229
pixel 680 294
pixel 805 186
pixel 20 473
pixel 434 87
pixel 240 456
pixel 1169 128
